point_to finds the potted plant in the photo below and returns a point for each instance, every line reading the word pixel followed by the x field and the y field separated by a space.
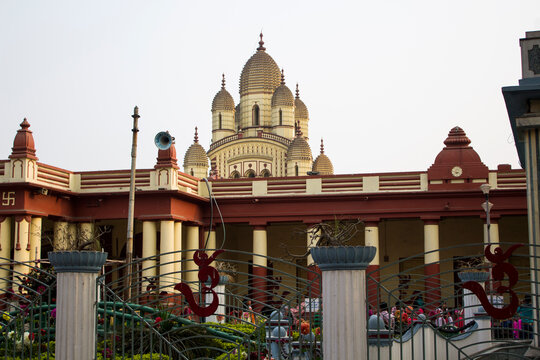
pixel 331 250
pixel 78 251
pixel 473 269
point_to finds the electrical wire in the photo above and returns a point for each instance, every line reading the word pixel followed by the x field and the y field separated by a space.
pixel 212 202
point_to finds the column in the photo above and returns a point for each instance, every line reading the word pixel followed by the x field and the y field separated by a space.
pixel 76 303
pixel 259 266
pixel 372 239
pixel 21 255
pixel 86 235
pixel 5 251
pixel 210 241
pixel 35 240
pixel 344 301
pixel 166 258
pixel 60 241
pixel 314 275
pixel 432 266
pixel 192 244
pixel 149 252
pixel 178 251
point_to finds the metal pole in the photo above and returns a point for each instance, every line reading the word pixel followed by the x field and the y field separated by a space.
pixel 131 206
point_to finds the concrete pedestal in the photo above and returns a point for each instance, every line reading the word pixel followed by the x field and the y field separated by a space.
pixel 76 302
pixel 344 300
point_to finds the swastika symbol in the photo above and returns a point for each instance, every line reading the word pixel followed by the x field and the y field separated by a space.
pixel 8 198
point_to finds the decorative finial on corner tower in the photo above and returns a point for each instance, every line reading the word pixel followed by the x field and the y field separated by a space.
pixel 196 139
pixel 261 43
pixel 282 77
pixel 322 146
pixel 223 81
pixel 297 92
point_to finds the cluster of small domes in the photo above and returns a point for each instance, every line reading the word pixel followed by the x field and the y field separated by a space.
pixel 261 77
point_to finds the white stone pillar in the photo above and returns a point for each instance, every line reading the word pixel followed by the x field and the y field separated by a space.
pixel 76 303
pixel 149 250
pixel 178 249
pixel 260 251
pixel 166 258
pixel 192 244
pixel 35 240
pixel 432 268
pixel 60 241
pixel 21 252
pixel 344 300
pixel 372 239
pixel 5 251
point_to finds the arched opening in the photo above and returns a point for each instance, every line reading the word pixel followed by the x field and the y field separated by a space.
pixel 255 115
pixel 219 125
pixel 265 173
pixel 280 117
pixel 296 170
pixel 235 175
pixel 250 173
pixel 191 172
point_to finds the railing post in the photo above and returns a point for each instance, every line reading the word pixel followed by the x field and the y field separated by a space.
pixel 344 300
pixel 75 302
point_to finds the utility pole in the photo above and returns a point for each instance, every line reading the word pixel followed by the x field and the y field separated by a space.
pixel 131 206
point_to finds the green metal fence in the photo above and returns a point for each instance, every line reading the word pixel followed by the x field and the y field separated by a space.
pixel 268 312
pixel 418 313
pixel 28 310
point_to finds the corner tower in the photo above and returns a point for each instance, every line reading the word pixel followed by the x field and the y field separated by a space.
pixel 223 110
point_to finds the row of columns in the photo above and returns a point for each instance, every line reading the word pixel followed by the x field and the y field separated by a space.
pixel 431 257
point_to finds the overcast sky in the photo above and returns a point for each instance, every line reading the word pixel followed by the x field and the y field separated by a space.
pixel 384 81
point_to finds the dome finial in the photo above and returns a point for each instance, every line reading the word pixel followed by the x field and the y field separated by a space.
pixel 261 43
pixel 196 136
pixel 223 81
pixel 297 92
pixel 298 130
pixel 322 146
pixel 282 77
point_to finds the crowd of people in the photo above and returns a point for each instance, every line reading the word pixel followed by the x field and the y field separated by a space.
pixel 400 317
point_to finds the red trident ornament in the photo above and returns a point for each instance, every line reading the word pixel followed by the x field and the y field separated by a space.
pixel 501 267
pixel 206 272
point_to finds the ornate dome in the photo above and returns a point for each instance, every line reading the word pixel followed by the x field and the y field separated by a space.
pixel 23 144
pixel 196 155
pixel 299 148
pixel 223 101
pixel 300 110
pixel 457 150
pixel 260 73
pixel 322 163
pixel 283 95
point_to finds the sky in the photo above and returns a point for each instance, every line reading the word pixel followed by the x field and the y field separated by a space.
pixel 384 81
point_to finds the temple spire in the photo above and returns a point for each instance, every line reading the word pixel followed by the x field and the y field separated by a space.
pixel 297 92
pixel 322 146
pixel 261 43
pixel 223 81
pixel 196 139
pixel 282 77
